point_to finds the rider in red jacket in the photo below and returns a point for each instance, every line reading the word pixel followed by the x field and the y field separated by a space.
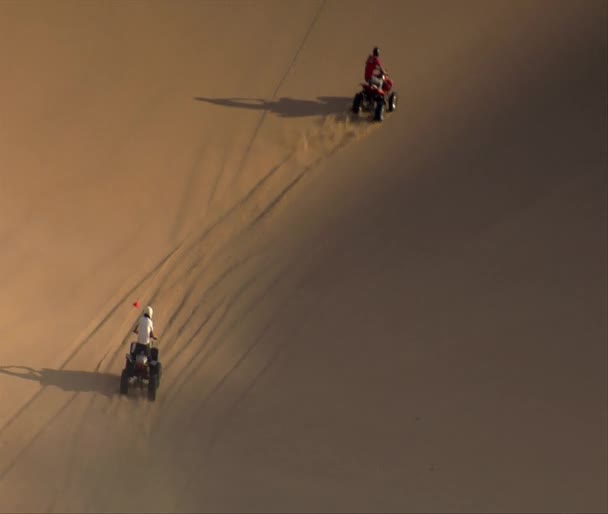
pixel 374 69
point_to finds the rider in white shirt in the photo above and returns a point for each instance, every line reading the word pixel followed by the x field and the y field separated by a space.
pixel 145 329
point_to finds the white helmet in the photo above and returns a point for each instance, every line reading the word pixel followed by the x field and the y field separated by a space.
pixel 148 312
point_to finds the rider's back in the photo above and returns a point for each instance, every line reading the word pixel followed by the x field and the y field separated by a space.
pixel 371 65
pixel 144 330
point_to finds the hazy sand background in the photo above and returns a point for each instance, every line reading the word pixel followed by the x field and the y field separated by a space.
pixel 353 317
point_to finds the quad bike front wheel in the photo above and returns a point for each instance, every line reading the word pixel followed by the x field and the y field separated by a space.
pixel 379 111
pixel 392 102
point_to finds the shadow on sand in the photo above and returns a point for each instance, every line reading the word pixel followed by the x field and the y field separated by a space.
pixel 287 107
pixel 73 381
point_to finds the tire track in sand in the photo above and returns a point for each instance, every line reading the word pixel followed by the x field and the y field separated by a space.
pixel 263 116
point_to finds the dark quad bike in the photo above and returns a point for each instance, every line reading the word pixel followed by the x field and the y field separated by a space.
pixel 376 100
pixel 141 369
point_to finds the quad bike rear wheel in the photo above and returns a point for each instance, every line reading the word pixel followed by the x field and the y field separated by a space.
pixel 152 387
pixel 124 381
pixel 158 371
pixel 357 103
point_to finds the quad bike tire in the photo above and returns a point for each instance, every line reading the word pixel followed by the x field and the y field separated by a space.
pixel 152 387
pixel 124 381
pixel 158 372
pixel 379 111
pixel 357 103
pixel 392 102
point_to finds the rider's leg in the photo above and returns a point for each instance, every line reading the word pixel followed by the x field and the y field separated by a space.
pixel 376 81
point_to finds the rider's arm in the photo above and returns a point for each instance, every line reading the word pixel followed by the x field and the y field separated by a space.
pixel 379 63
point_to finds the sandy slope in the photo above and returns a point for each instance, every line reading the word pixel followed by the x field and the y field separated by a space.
pixel 406 317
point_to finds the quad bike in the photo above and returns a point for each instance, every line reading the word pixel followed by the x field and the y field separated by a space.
pixel 141 367
pixel 376 100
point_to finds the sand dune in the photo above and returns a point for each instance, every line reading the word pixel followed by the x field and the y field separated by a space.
pixel 354 317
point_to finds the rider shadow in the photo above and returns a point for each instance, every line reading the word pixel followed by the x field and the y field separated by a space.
pixel 72 381
pixel 287 107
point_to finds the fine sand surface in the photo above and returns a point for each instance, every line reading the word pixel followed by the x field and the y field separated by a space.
pixel 399 317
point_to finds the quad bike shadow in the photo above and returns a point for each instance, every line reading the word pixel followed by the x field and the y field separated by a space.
pixel 376 99
pixel 68 380
pixel 286 107
pixel 142 370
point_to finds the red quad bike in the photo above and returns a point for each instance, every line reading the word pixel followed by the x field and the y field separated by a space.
pixel 376 100
pixel 141 366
